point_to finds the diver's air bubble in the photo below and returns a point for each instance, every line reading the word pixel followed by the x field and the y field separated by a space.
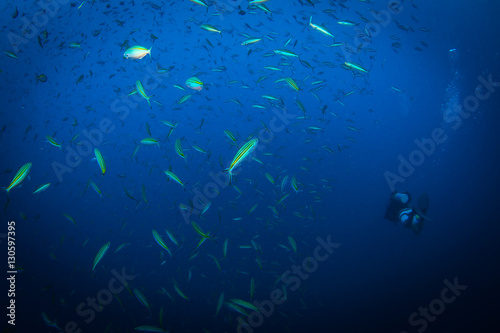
pixel 453 54
pixel 451 104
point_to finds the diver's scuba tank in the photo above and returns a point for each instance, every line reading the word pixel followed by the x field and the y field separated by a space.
pixel 401 197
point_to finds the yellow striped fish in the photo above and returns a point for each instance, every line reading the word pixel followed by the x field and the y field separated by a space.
pixel 352 65
pixel 200 2
pixel 19 177
pixel 269 177
pixel 173 176
pixel 150 141
pixel 11 54
pixel 220 301
pixel 178 148
pixel 180 293
pixel 286 53
pixel 100 160
pixel 256 2
pixel 142 299
pixel 160 241
pixel 53 142
pixel 204 236
pixel 320 28
pixel 96 188
pixel 230 135
pixel 201 150
pixel 251 41
pixel 244 151
pixel 102 251
pixel 141 91
pixel 171 236
pixel 210 28
pixel 41 188
pixel 295 185
pixel 292 83
pixel 244 304
pixel 184 98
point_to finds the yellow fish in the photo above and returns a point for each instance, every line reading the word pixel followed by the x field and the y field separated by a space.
pixel 137 52
pixel 194 83
pixel 141 91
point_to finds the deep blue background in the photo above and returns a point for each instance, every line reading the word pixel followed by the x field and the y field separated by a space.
pixel 380 274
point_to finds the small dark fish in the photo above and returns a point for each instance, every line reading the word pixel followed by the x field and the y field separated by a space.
pixel 306 64
pixel 242 12
pixel 80 79
pixel 26 131
pixel 40 78
pixel 124 45
pixel 16 13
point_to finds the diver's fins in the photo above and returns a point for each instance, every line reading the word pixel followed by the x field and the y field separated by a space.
pixel 423 206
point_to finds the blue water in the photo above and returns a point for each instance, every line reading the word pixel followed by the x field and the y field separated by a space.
pixel 376 276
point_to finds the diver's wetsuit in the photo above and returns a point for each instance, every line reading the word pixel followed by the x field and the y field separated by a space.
pixel 398 210
pixel 395 206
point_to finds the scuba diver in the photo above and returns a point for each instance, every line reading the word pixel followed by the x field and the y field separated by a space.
pixel 399 210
